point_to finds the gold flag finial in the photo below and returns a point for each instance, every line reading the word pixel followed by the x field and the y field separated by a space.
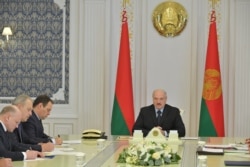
pixel 125 2
pixel 214 2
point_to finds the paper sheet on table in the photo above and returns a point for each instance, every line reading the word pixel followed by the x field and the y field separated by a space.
pixel 72 141
pixel 41 158
pixel 240 146
pixel 212 150
pixel 217 146
pixel 62 151
pixel 234 151
pixel 247 155
pixel 189 138
pixel 37 159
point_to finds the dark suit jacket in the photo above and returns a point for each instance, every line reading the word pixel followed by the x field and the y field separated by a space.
pixel 171 120
pixel 33 127
pixel 20 138
pixel 7 149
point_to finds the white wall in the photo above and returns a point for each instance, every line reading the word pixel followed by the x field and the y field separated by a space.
pixel 175 64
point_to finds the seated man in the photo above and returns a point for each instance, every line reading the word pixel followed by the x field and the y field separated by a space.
pixel 33 127
pixel 10 117
pixel 25 104
pixel 160 115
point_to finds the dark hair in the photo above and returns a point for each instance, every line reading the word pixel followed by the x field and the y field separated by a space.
pixel 44 99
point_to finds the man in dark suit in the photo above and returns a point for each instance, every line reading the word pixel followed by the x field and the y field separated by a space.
pixel 25 104
pixel 33 127
pixel 160 115
pixel 10 117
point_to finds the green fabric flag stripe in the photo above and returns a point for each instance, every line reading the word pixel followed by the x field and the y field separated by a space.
pixel 206 127
pixel 118 123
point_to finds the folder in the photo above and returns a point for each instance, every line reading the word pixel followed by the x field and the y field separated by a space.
pixel 237 163
pixel 209 151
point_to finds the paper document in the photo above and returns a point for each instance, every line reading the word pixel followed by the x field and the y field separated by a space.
pixel 216 146
pixel 61 151
pixel 72 141
pixel 64 149
pixel 212 150
pixel 235 151
pixel 189 138
pixel 240 146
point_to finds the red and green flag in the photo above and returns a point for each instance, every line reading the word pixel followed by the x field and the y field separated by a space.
pixel 123 108
pixel 211 111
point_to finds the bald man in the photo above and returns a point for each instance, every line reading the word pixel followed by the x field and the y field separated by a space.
pixel 160 115
pixel 10 117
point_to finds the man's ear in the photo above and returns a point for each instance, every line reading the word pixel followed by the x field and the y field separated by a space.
pixel 19 105
pixel 40 105
pixel 7 118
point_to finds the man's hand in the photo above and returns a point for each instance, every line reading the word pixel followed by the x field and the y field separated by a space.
pixel 30 154
pixel 47 147
pixel 162 131
pixel 40 154
pixel 6 162
pixel 58 140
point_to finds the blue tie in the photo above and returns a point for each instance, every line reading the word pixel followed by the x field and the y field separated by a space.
pixel 158 117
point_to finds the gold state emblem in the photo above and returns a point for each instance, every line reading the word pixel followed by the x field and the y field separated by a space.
pixel 169 18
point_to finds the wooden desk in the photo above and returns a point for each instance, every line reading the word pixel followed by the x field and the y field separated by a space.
pixel 108 156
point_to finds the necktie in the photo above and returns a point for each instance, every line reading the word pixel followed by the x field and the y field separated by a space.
pixel 158 116
pixel 20 132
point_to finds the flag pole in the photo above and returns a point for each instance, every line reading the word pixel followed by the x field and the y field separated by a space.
pixel 213 4
pixel 125 2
